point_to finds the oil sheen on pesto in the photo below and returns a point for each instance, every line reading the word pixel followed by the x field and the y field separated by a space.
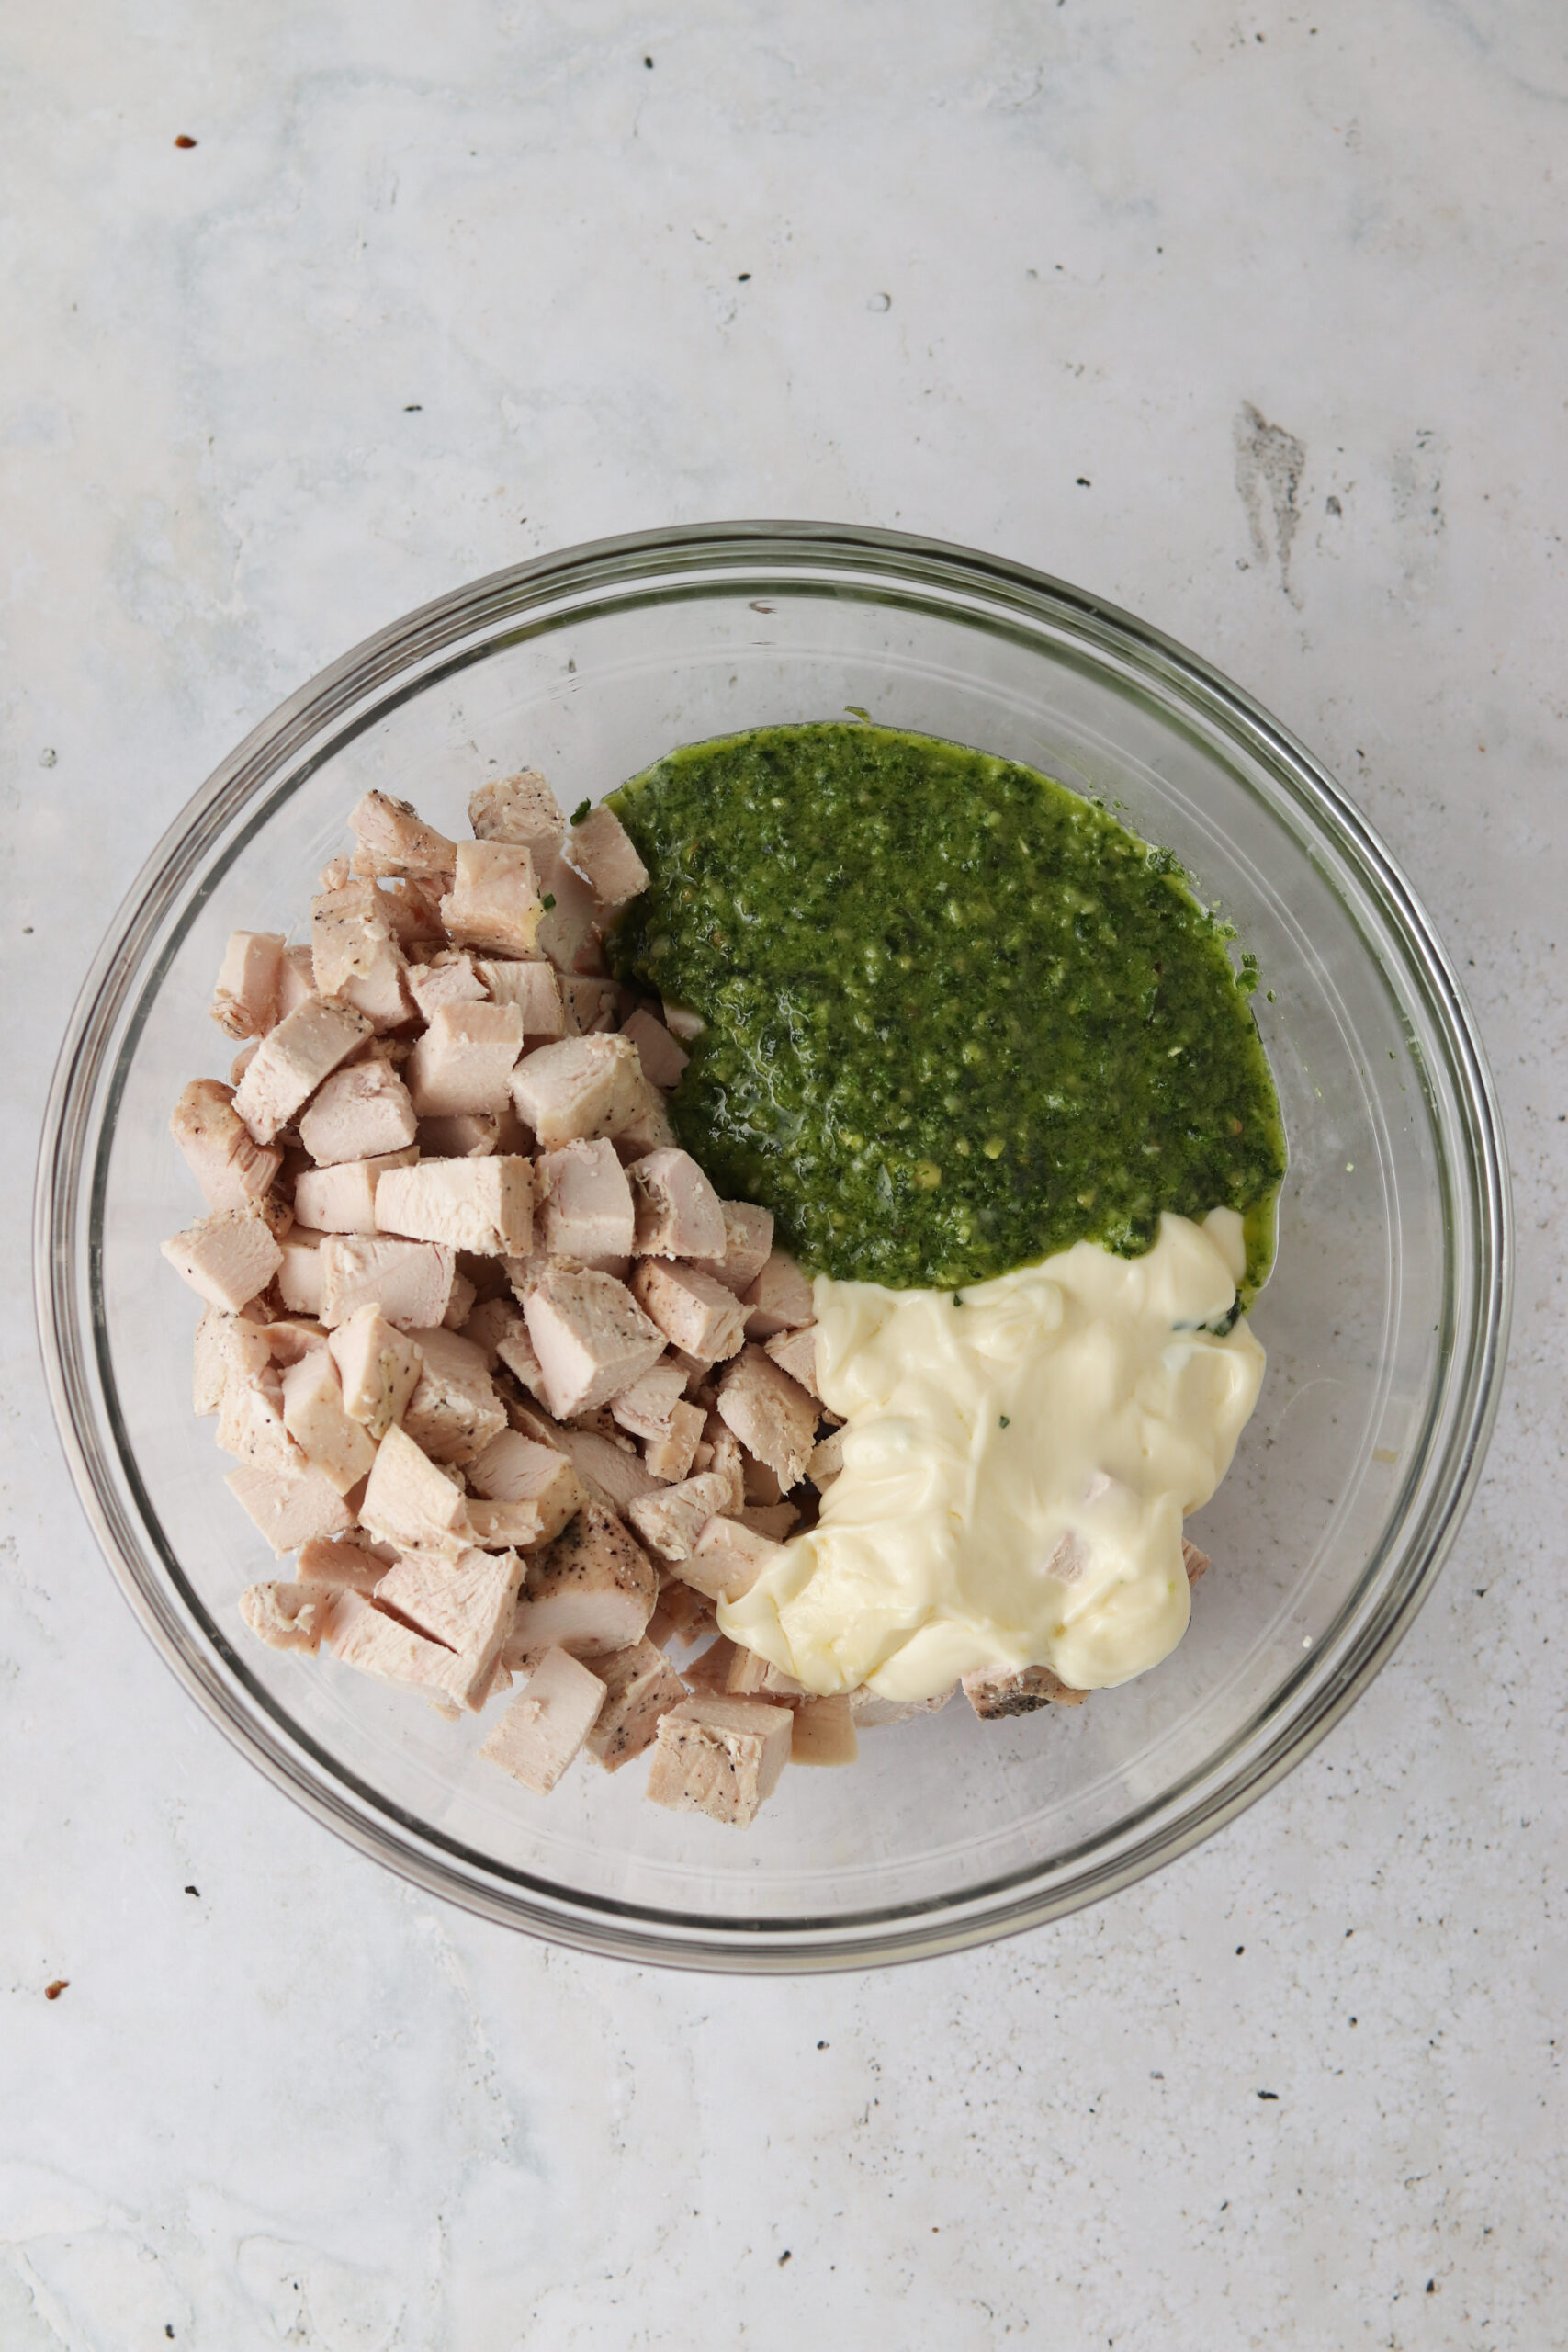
pixel 958 1018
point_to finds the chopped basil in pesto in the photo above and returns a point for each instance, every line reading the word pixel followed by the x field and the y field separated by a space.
pixel 957 1017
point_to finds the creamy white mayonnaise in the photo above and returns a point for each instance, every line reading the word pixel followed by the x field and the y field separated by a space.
pixel 1018 1459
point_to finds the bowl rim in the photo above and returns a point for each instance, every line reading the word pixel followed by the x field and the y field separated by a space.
pixel 403 649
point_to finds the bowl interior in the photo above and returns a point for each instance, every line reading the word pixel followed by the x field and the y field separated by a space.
pixel 1325 1527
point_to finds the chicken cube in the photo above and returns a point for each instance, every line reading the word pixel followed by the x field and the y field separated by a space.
pixel 678 1213
pixel 581 1088
pixel 611 1474
pixel 779 1300
pixel 342 1198
pixel 483 1205
pixel 464 1061
pixel 229 1256
pixel 465 1603
pixel 589 1336
pixel 592 1007
pixel 464 1134
pixel 361 1635
pixel 300 1275
pixel 772 1519
pixel 448 978
pixel 289 1504
pixel 354 954
pixel 999 1690
pixel 1193 1561
pixel 727 1557
pixel 748 1241
pixel 869 1711
pixel 515 1469
pixel 536 990
pixel 662 1059
pixel 751 1677
pixel 519 808
pixel 587 1205
pixel 459 1307
pixel 495 900
pixel 645 1408
pixel 453 1412
pixel 546 1724
pixel 826 1461
pixel 794 1352
pixel 720 1756
pixel 571 933
pixel 672 1520
pixel 592 1592
pixel 673 1456
pixel 601 849
pixel 412 1504
pixel 824 1732
pixel 360 1113
pixel 283 1616
pixel 640 1685
pixel 645 1126
pixel 296 981
pixel 292 1059
pixel 314 1417
pixel 393 839
pixel 411 1281
pixel 770 1413
pixel 244 1002
pixel 220 1150
pixel 695 1313
pixel 342 1564
pixel 227 1347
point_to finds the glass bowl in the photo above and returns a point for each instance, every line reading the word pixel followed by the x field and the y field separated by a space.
pixel 1385 1322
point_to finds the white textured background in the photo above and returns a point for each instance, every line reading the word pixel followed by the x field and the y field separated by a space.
pixel 443 286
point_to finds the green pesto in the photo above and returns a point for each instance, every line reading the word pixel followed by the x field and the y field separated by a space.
pixel 957 1017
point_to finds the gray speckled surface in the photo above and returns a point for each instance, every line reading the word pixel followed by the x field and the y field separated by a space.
pixel 437 288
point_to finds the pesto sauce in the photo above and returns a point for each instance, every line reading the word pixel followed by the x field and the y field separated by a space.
pixel 957 1017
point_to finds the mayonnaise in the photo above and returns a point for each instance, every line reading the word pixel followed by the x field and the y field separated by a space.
pixel 1018 1459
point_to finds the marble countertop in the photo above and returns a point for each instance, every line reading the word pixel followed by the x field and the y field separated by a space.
pixel 1250 319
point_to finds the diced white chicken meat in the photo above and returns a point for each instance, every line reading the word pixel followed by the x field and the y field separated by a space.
pixel 611 1474
pixel 672 1457
pixel 827 1460
pixel 693 1310
pixel 679 1214
pixel 1193 1561
pixel 228 1257
pixel 453 1412
pixel 779 1300
pixel 721 1756
pixel 483 1205
pixel 342 1198
pixel 999 1690
pixel 824 1732
pixel 411 1281
pixel 289 1504
pixel 570 932
pixel 464 1134
pixel 534 988
pixel 646 1127
pixel 751 1677
pixel 494 901
pixel 292 1059
pixel 772 1519
pixel 360 1113
pixel 600 849
pixel 579 1090
pixel 870 1712
pixel 412 1503
pixel 366 1638
pixel 342 1564
pixel 727 1558
pixel 314 1417
pixel 244 1001
pixel 226 1348
pixel 640 1685
pixel 546 1723
pixel 515 1469
pixel 662 1059
pixel 795 1353
pixel 770 1413
pixel 283 1616
pixel 354 953
pixel 586 1210
pixel 645 1409
pixel 464 1060
pixel 589 1336
pixel 224 1156
pixel 592 1592
pixel 519 807
pixel 393 839
pixel 465 1603
pixel 670 1519
pixel 450 978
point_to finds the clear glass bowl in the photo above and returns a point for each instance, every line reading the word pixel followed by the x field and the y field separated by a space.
pixel 1385 1322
